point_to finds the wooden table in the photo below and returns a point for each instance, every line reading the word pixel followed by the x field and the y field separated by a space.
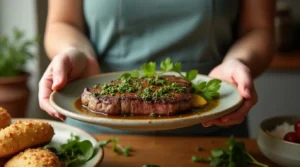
pixel 167 151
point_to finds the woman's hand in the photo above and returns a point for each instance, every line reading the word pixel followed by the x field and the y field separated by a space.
pixel 65 67
pixel 237 73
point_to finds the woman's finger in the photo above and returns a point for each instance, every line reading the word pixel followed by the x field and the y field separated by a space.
pixel 44 94
pixel 61 68
pixel 243 80
pixel 219 122
pixel 241 112
pixel 236 116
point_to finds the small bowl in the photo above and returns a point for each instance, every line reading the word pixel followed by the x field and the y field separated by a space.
pixel 277 150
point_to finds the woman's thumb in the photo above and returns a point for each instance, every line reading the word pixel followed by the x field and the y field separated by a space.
pixel 61 68
pixel 244 83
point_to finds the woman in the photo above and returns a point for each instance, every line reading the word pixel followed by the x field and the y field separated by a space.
pixel 231 40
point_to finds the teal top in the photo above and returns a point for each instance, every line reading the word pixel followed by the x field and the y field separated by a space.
pixel 128 33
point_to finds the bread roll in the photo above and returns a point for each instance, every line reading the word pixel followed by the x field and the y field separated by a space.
pixel 22 135
pixel 37 157
pixel 5 118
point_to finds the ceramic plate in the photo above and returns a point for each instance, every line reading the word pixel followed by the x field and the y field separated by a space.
pixel 64 102
pixel 63 132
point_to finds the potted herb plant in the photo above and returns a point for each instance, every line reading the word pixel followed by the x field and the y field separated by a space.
pixel 14 54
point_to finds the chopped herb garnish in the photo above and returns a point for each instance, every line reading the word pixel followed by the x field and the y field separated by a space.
pixel 130 82
pixel 116 147
pixel 96 86
pixel 96 94
pixel 104 143
pixel 208 90
pixel 155 80
pixel 146 94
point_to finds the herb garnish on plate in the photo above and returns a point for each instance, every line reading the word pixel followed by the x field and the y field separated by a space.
pixel 208 90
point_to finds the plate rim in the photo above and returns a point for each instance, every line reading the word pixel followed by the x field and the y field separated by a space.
pixel 101 120
pixel 99 149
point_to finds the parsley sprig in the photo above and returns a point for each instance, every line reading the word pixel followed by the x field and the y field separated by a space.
pixel 73 152
pixel 209 90
pixel 235 155
pixel 116 147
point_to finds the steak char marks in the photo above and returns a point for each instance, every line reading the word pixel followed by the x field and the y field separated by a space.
pixel 165 95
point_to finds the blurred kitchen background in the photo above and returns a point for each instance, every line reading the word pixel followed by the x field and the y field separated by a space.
pixel 278 88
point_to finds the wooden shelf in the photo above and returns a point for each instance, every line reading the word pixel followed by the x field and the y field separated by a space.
pixel 286 61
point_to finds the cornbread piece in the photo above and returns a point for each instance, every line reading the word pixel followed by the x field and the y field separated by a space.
pixel 165 95
pixel 22 135
pixel 5 118
pixel 37 157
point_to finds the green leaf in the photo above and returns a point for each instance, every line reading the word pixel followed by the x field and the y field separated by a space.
pixel 149 69
pixel 135 73
pixel 210 91
pixel 235 155
pixel 195 159
pixel 73 162
pixel 14 53
pixel 4 41
pixel 125 75
pixel 73 152
pixel 230 141
pixel 214 85
pixel 217 152
pixel 200 86
pixel 51 148
pixel 166 65
pixel 191 75
pixel 177 67
pixel 87 149
pixel 217 161
pixel 18 34
pixel 210 95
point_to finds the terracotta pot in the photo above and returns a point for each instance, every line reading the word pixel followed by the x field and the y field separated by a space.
pixel 14 95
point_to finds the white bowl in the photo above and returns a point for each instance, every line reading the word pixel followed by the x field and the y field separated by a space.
pixel 277 150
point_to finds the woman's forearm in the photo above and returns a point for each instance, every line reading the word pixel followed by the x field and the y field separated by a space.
pixel 60 36
pixel 255 49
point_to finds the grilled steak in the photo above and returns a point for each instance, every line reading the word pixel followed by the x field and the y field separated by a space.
pixel 165 95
